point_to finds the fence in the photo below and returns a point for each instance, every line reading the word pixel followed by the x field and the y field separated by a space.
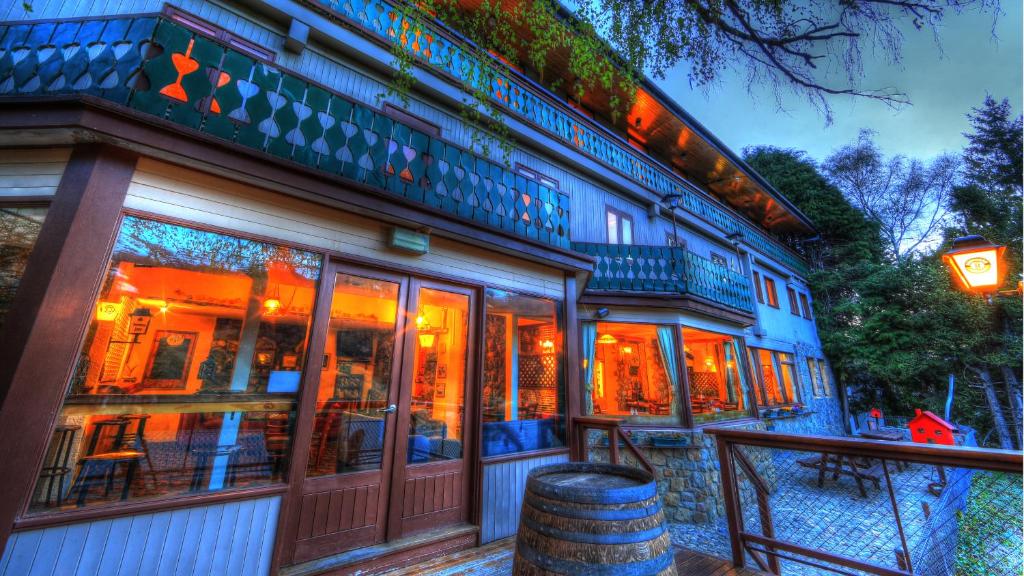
pixel 853 506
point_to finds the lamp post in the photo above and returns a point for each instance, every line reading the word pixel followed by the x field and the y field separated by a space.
pixel 978 267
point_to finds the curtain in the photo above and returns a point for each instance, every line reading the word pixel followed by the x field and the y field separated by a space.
pixel 589 334
pixel 731 385
pixel 667 346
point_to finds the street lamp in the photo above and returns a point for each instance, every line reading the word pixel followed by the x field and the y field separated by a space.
pixel 976 263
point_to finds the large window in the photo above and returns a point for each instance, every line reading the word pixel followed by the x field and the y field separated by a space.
pixel 19 228
pixel 776 372
pixel 523 391
pixel 714 375
pixel 188 374
pixel 631 370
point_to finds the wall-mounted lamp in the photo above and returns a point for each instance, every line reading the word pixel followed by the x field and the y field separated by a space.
pixel 601 313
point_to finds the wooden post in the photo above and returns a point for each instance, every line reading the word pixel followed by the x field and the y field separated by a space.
pixel 40 342
pixel 613 445
pixel 732 501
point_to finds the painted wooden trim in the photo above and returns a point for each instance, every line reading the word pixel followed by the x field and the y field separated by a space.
pixel 190 148
pixel 525 455
pixel 54 303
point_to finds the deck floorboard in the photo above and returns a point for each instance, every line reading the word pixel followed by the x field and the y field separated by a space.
pixel 495 559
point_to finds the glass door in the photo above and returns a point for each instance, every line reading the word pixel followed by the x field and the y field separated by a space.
pixel 431 478
pixel 349 468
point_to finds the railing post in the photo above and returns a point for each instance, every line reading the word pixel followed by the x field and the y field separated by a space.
pixel 613 444
pixel 732 501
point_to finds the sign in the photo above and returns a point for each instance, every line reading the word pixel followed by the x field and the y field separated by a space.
pixel 108 311
pixel 409 241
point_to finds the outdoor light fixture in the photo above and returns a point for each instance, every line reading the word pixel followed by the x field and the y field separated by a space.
pixel 601 313
pixel 976 263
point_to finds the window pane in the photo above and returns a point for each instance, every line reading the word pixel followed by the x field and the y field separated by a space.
pixel 812 369
pixel 627 230
pixel 773 295
pixel 524 391
pixel 805 305
pixel 788 377
pixel 439 383
pixel 770 379
pixel 826 384
pixel 714 376
pixel 634 370
pixel 757 288
pixel 613 228
pixel 792 301
pixel 355 377
pixel 19 228
pixel 188 375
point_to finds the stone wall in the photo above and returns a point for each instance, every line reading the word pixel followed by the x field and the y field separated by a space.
pixel 689 478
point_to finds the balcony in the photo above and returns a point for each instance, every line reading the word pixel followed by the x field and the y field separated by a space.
pixel 444 54
pixel 665 270
pixel 156 67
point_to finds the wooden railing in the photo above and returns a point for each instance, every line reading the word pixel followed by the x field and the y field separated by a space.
pixel 761 469
pixel 438 48
pixel 581 426
pixel 158 67
pixel 665 269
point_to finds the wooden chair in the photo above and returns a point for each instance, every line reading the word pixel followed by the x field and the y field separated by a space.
pixel 58 470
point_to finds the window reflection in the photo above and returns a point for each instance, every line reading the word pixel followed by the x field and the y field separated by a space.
pixel 635 369
pixel 19 229
pixel 355 377
pixel 189 371
pixel 523 391
pixel 717 390
pixel 437 411
pixel 777 374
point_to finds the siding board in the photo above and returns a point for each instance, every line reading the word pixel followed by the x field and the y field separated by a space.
pixel 196 541
pixel 503 485
pixel 32 172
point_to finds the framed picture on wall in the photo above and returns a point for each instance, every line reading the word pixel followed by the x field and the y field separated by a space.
pixel 169 360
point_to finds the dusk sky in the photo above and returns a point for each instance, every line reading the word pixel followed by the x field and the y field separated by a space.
pixel 943 85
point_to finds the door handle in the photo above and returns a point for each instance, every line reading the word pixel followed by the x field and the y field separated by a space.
pixel 389 410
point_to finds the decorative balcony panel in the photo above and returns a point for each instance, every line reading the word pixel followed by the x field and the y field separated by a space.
pixel 667 270
pixel 155 66
pixel 432 47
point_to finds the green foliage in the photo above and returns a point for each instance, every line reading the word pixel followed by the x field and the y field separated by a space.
pixel 892 330
pixel 989 535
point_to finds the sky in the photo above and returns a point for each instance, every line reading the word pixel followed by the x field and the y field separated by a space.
pixel 943 84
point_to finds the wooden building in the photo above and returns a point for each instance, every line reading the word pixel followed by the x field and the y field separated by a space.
pixel 259 317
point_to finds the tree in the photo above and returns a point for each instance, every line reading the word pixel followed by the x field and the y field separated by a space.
pixel 908 199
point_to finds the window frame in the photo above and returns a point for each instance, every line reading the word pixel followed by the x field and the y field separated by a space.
pixel 805 306
pixel 758 291
pixel 745 373
pixel 219 33
pixel 754 358
pixel 794 306
pixel 620 216
pixel 771 291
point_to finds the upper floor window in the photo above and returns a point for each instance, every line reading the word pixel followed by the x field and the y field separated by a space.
pixel 188 375
pixel 757 288
pixel 620 227
pixel 805 305
pixel 793 307
pixel 771 293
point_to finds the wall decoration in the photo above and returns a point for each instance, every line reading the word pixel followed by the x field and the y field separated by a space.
pixel 495 354
pixel 170 360
pixel 355 344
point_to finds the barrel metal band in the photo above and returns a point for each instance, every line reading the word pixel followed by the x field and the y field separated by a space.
pixel 585 538
pixel 652 566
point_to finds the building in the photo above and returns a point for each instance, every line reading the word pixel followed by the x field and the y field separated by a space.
pixel 260 317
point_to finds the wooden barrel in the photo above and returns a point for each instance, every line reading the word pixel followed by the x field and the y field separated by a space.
pixel 593 519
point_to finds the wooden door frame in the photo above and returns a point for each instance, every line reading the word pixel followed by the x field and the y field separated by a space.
pixel 469 453
pixel 306 408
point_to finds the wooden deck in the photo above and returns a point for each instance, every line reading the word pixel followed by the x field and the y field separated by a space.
pixel 495 559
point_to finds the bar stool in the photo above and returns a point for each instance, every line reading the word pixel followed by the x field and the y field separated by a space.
pixel 134 439
pixel 203 456
pixel 57 470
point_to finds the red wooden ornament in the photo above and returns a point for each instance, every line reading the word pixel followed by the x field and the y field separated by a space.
pixel 927 428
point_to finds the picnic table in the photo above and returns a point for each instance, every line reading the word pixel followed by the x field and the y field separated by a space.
pixel 838 465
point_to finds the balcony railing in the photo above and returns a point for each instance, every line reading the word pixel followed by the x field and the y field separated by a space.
pixel 382 19
pixel 665 269
pixel 804 504
pixel 155 66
